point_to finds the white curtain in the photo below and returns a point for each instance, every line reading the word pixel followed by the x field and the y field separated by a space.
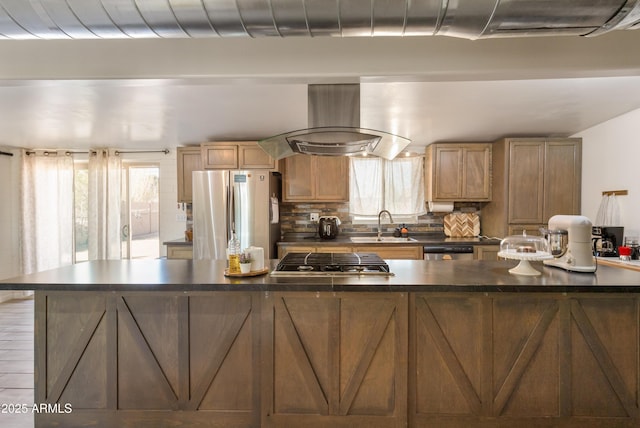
pixel 396 185
pixel 47 211
pixel 365 190
pixel 404 191
pixel 105 177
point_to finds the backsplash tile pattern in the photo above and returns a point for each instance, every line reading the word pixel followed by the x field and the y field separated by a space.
pixel 294 218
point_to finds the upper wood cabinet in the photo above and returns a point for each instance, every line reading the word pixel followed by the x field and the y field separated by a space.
pixel 235 155
pixel 189 160
pixel 534 179
pixel 316 178
pixel 458 172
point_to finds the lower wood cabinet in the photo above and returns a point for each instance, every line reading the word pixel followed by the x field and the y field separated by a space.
pixel 148 359
pixel 179 251
pixel 387 252
pixel 337 359
pixel 523 360
pixel 334 360
pixel 486 252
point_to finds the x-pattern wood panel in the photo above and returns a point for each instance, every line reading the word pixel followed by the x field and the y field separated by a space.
pixel 118 317
pixel 75 354
pixel 449 356
pixel 545 323
pixel 522 362
pixel 144 348
pixel 235 323
pixel 605 362
pixel 328 399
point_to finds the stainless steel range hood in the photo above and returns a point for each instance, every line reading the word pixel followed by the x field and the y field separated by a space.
pixel 334 128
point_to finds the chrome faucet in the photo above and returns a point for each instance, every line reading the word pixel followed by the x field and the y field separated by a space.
pixel 379 228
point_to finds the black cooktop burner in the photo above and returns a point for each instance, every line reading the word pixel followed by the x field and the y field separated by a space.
pixel 355 263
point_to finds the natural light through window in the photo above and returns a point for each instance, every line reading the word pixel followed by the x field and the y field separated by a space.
pixel 396 185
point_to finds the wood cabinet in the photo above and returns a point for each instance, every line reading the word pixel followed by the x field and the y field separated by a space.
pixel 326 358
pixel 334 359
pixel 402 252
pixel 486 252
pixel 386 251
pixel 149 359
pixel 533 180
pixel 235 155
pixel 316 178
pixel 522 360
pixel 189 160
pixel 458 172
pixel 179 251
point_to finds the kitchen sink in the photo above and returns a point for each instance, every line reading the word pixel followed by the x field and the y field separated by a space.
pixel 381 240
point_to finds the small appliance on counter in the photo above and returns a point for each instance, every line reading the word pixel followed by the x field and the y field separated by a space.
pixel 569 239
pixel 632 243
pixel 328 227
pixel 606 240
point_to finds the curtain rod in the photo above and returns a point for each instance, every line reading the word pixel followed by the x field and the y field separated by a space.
pixel 53 152
pixel 165 151
pixel 69 153
pixel 6 153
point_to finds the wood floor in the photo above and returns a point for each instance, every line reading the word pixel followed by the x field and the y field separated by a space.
pixel 16 362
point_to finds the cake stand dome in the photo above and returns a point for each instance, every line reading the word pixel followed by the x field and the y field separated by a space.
pixel 526 248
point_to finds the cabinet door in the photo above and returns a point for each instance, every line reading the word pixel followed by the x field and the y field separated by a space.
pixel 476 172
pixel 334 359
pixel 179 252
pixel 334 249
pixel 286 249
pixel 189 160
pixel 530 229
pixel 458 172
pixel 219 156
pixel 526 182
pixel 562 178
pixel 298 182
pixel 316 178
pixel 331 178
pixel 486 252
pixel 448 177
pixel 251 156
pixel 408 252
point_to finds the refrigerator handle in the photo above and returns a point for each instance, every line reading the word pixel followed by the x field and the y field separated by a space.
pixel 231 218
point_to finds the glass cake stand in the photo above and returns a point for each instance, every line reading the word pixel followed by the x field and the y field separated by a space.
pixel 526 249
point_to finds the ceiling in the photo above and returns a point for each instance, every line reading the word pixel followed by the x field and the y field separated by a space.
pixel 142 90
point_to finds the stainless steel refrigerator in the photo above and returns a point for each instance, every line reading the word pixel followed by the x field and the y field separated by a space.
pixel 244 201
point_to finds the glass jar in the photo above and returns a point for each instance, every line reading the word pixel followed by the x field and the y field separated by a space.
pixel 233 253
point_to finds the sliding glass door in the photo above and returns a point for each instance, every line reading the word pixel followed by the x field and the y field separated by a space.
pixel 140 211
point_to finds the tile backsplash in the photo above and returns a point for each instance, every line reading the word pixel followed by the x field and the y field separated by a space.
pixel 294 218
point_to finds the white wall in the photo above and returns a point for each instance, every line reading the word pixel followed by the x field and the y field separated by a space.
pixel 611 161
pixel 9 220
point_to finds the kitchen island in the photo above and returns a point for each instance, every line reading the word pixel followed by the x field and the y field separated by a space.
pixel 452 343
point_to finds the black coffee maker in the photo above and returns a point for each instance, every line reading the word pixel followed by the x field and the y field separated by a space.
pixel 606 240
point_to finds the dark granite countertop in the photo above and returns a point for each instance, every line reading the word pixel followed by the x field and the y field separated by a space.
pixel 181 241
pixel 410 276
pixel 420 239
pixel 343 239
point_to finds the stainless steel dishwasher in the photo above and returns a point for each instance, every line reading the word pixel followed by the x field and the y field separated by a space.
pixel 447 251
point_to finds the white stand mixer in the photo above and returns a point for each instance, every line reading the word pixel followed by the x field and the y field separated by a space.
pixel 578 255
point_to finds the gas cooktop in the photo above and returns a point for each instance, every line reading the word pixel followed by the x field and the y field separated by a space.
pixel 331 263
